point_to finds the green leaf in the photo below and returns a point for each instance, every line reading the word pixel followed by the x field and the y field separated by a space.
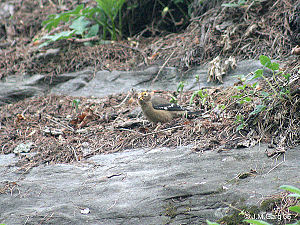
pixel 192 97
pixel 221 106
pixel 93 31
pixel 111 7
pixel 239 118
pixel 89 12
pixel 230 5
pixel 258 109
pixel 241 87
pixel 54 20
pixel 211 223
pixel 257 222
pixel 79 25
pixel 264 60
pixel 180 86
pixel 59 36
pixel 284 93
pixel 248 99
pixel 273 66
pixel 287 76
pixel 106 6
pixel 241 126
pixel 290 188
pixel 173 100
pixel 254 85
pixel 265 94
pixel 295 208
pixel 258 73
pixel 56 37
pixel 165 11
pixel 202 94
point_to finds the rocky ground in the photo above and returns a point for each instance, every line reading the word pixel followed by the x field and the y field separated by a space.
pixel 70 158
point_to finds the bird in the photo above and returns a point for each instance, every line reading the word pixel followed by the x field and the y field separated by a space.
pixel 160 110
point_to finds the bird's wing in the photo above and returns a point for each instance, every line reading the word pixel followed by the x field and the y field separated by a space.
pixel 169 107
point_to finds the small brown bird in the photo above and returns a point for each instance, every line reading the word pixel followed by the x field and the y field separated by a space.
pixel 158 109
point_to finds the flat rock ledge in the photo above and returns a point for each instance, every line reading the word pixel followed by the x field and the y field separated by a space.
pixel 143 186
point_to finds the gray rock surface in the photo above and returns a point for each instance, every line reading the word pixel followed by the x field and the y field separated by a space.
pixel 87 83
pixel 6 10
pixel 144 186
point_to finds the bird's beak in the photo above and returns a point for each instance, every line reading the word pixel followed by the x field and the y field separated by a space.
pixel 141 95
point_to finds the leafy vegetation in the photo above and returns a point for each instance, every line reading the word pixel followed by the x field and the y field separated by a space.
pixel 75 104
pixel 201 94
pixel 85 22
pixel 275 92
pixel 179 92
pixel 105 20
pixel 239 3
pixel 247 91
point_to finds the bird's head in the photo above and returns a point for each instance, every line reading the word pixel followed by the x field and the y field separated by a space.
pixel 144 96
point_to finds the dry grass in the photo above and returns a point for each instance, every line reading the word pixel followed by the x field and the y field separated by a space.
pixel 242 32
pixel 59 134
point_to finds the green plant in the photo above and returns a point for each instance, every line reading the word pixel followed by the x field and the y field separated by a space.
pixel 201 94
pixel 238 4
pixel 179 91
pixel 296 208
pixel 180 88
pixel 211 223
pixel 240 121
pixel 75 104
pixel 247 91
pixel 173 100
pixel 85 22
pixel 111 8
pixel 296 194
pixel 266 62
